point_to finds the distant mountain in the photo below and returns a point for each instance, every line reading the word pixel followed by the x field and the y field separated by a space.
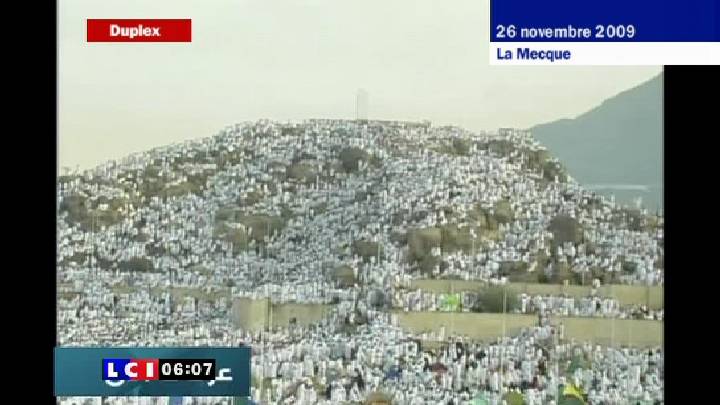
pixel 615 148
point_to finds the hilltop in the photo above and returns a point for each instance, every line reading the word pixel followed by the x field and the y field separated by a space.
pixel 329 197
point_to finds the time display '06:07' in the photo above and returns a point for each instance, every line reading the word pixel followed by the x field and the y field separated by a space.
pixel 187 369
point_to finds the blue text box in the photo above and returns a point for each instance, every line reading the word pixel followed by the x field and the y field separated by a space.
pixel 653 20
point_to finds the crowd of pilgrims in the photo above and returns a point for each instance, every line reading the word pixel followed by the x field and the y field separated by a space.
pixel 403 185
pixel 381 357
pixel 324 363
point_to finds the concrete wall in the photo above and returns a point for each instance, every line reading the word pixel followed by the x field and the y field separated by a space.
pixel 482 327
pixel 259 314
pixel 250 314
pixel 304 314
pixel 485 327
pixel 627 332
pixel 652 296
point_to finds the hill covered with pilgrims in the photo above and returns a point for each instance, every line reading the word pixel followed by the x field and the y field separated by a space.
pixel 338 201
pixel 154 249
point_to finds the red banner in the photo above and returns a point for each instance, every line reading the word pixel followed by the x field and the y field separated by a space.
pixel 139 30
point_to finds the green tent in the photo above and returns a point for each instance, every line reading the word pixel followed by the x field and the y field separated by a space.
pixel 570 395
pixel 451 302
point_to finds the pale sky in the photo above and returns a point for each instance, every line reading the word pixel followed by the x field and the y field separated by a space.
pixel 291 60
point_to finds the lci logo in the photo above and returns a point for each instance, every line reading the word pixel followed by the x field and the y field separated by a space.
pixel 130 369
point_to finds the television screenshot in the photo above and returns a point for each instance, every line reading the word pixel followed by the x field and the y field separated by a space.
pixel 363 202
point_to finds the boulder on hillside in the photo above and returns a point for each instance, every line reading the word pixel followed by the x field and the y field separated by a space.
pixel 421 242
pixel 565 229
pixel 260 226
pixel 461 146
pixel 302 172
pixel 344 276
pixel 366 249
pixel 503 212
pixel 351 158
